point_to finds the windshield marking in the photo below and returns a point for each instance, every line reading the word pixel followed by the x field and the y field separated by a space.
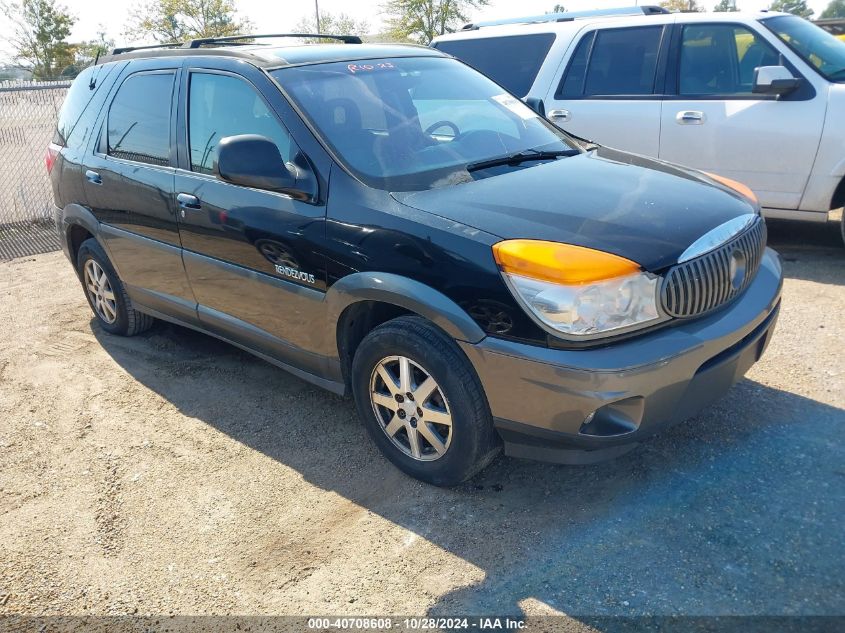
pixel 515 105
pixel 360 68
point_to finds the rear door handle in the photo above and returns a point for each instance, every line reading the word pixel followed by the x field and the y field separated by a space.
pixel 187 201
pixel 690 117
pixel 93 177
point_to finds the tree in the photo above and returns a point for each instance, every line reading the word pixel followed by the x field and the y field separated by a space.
pixel 558 8
pixel 725 6
pixel 340 24
pixel 39 39
pixel 796 7
pixel 84 53
pixel 178 20
pixel 682 6
pixel 423 20
pixel 836 9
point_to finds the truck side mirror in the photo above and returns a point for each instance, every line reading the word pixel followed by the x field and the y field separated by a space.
pixel 774 80
pixel 536 104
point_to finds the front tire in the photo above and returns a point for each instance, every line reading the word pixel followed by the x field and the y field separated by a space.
pixel 106 294
pixel 422 402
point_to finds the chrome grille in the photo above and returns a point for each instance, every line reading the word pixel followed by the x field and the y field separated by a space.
pixel 711 280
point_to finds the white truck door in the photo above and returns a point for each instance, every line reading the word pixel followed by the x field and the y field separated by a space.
pixel 607 91
pixel 712 121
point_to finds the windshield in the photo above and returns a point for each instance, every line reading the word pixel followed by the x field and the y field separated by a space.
pixel 816 46
pixel 415 123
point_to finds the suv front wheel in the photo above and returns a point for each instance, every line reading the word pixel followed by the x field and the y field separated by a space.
pixel 422 402
pixel 106 294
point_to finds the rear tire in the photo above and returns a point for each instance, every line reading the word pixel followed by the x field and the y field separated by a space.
pixel 422 402
pixel 106 294
pixel 842 226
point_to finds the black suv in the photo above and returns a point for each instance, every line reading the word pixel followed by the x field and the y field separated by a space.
pixel 385 221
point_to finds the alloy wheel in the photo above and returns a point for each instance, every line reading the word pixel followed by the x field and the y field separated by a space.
pixel 411 408
pixel 100 292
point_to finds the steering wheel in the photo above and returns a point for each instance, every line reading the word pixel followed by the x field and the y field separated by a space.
pixel 435 126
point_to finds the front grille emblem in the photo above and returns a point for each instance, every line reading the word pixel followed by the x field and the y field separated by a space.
pixel 737 268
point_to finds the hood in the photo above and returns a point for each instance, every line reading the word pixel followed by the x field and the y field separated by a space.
pixel 642 209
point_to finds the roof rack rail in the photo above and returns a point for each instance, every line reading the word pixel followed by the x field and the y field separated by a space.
pixel 233 39
pixel 569 16
pixel 129 49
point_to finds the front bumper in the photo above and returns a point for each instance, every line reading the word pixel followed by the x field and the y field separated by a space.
pixel 590 404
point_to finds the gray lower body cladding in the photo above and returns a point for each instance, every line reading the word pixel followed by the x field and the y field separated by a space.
pixel 586 405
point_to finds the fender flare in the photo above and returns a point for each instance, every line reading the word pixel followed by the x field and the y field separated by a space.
pixel 405 293
pixel 76 214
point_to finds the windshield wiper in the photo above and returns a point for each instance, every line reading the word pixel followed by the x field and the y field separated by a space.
pixel 521 157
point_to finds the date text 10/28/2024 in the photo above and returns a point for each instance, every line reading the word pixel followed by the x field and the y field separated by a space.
pixel 417 624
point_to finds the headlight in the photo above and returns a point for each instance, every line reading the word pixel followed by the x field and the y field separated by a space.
pixel 577 292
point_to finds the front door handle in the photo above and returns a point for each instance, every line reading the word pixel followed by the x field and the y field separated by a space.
pixel 93 177
pixel 187 201
pixel 690 117
pixel 560 115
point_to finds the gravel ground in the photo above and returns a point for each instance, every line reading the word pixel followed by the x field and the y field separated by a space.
pixel 171 473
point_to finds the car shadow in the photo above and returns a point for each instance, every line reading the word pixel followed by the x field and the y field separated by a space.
pixel 811 250
pixel 735 511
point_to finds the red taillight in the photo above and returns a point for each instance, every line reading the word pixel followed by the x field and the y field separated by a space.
pixel 50 155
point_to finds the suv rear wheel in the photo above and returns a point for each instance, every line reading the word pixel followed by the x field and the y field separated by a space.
pixel 106 294
pixel 422 403
pixel 842 226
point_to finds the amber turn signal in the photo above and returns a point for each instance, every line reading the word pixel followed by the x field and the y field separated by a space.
pixel 735 185
pixel 559 263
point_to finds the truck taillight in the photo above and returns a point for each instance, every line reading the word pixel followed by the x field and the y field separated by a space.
pixel 50 155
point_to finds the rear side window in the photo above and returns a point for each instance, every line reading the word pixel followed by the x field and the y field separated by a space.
pixel 221 106
pixel 81 105
pixel 572 84
pixel 512 62
pixel 621 62
pixel 139 119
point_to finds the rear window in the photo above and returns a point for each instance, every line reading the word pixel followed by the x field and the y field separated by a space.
pixel 81 105
pixel 512 61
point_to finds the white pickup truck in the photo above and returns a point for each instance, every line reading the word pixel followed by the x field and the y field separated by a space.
pixel 757 97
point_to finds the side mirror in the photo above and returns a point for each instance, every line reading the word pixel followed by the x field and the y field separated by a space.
pixel 774 80
pixel 536 104
pixel 252 161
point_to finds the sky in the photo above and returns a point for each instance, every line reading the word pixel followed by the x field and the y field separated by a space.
pixel 283 15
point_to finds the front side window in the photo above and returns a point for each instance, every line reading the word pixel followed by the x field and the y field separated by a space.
pixel 620 62
pixel 221 106
pixel 512 62
pixel 817 47
pixel 416 123
pixel 139 119
pixel 720 59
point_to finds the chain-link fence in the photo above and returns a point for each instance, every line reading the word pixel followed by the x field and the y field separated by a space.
pixel 28 112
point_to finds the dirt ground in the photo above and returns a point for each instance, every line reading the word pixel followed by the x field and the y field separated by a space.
pixel 171 473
